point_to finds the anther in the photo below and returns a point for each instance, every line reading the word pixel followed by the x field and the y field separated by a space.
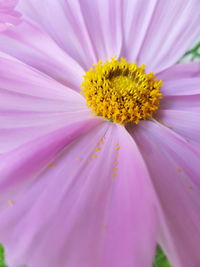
pixel 121 92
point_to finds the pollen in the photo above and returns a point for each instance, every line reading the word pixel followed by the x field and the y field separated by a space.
pixel 121 92
pixel 51 165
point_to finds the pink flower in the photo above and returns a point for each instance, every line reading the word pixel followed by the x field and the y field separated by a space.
pixel 81 191
pixel 8 17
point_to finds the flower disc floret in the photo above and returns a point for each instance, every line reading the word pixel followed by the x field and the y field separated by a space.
pixel 121 91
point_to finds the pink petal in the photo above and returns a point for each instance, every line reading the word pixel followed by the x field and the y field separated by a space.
pixel 182 87
pixel 44 55
pixel 180 71
pixel 181 94
pixel 174 168
pixel 180 105
pixel 172 30
pixel 104 22
pixel 86 217
pixel 8 4
pixel 185 123
pixel 133 202
pixel 26 161
pixel 177 103
pixel 32 104
pixel 8 17
pixel 86 30
pixel 136 20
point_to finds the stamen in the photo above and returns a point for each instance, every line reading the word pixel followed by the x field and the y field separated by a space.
pixel 121 92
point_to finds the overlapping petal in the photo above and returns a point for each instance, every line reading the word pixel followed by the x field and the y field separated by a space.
pixel 173 28
pixel 186 123
pixel 86 30
pixel 137 16
pixel 32 104
pixel 180 105
pixel 180 71
pixel 89 31
pixel 101 29
pixel 8 4
pixel 34 47
pixel 173 165
pixel 74 190
pixel 8 16
pixel 78 213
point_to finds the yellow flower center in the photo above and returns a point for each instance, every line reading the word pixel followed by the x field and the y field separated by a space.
pixel 121 92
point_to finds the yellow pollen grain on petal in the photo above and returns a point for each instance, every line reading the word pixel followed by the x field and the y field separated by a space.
pixel 121 92
pixel 178 169
pixel 103 138
pixel 169 127
pixel 10 202
pixel 94 155
pixel 190 187
pixel 116 163
pixel 97 148
pixel 51 165
pixel 117 148
pixel 78 159
pixel 114 175
pixel 101 143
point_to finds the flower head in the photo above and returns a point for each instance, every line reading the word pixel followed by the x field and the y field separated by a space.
pixel 100 191
pixel 121 92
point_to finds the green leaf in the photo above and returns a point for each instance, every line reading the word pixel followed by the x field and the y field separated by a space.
pixel 160 259
pixel 2 256
pixel 193 54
